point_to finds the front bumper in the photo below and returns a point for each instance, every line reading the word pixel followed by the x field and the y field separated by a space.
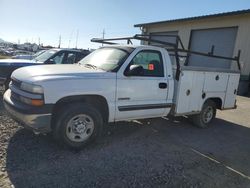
pixel 35 118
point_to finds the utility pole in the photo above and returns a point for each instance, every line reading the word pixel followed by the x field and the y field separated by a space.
pixel 77 32
pixel 39 41
pixel 103 34
pixel 59 45
pixel 69 43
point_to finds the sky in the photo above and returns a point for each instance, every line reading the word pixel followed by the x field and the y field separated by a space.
pixel 28 20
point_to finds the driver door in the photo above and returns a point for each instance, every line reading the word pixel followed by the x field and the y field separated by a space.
pixel 143 95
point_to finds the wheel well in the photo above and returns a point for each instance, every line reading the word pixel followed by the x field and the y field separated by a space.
pixel 217 101
pixel 99 102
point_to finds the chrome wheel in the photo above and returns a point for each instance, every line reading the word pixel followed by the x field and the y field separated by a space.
pixel 80 128
pixel 208 114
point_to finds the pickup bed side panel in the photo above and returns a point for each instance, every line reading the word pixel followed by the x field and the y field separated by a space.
pixel 195 87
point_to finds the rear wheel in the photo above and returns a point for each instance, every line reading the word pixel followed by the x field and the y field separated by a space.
pixel 78 125
pixel 206 115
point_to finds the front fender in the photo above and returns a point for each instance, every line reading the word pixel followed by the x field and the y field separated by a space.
pixel 56 90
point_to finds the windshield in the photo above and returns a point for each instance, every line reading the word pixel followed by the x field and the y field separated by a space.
pixel 107 59
pixel 46 55
pixel 38 53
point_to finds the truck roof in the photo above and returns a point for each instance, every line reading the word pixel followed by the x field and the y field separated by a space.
pixel 68 49
pixel 129 46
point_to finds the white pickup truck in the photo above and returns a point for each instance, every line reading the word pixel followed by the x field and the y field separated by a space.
pixel 115 83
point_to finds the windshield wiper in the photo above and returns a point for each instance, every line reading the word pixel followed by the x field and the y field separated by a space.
pixel 90 65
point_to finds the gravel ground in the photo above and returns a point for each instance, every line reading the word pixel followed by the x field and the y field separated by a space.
pixel 161 153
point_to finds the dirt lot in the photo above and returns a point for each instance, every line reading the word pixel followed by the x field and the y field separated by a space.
pixel 163 153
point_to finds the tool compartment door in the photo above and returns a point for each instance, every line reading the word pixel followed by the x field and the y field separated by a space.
pixel 215 82
pixel 231 93
pixel 189 92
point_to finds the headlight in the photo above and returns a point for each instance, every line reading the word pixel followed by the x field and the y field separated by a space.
pixel 31 88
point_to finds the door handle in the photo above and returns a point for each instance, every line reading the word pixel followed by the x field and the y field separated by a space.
pixel 163 85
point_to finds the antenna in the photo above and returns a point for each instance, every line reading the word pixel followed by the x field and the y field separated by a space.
pixel 103 34
pixel 59 45
pixel 77 32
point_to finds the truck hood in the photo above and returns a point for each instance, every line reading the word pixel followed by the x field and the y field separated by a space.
pixel 18 62
pixel 42 73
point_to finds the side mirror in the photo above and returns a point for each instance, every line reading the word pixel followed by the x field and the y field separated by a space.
pixel 50 61
pixel 134 70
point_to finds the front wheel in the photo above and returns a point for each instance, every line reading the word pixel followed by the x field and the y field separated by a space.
pixel 206 115
pixel 78 125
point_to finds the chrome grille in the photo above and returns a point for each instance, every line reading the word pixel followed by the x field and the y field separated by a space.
pixel 16 83
pixel 14 96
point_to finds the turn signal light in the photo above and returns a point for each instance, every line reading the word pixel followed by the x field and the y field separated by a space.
pixel 36 102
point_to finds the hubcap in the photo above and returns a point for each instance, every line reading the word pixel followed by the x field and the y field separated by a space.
pixel 208 114
pixel 80 128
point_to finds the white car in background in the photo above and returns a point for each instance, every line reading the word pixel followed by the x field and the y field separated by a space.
pixel 28 56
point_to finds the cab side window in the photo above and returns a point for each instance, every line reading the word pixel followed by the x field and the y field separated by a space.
pixel 151 62
pixel 70 59
pixel 58 59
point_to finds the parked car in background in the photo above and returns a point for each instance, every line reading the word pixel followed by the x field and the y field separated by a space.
pixel 53 56
pixel 28 56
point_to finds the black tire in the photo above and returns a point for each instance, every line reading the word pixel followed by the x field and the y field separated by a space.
pixel 61 130
pixel 204 119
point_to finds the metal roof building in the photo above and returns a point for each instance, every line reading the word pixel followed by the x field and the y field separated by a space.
pixel 225 32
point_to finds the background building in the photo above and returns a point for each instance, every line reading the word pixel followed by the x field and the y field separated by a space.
pixel 227 32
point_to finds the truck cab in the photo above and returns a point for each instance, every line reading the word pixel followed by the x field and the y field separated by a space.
pixel 144 84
